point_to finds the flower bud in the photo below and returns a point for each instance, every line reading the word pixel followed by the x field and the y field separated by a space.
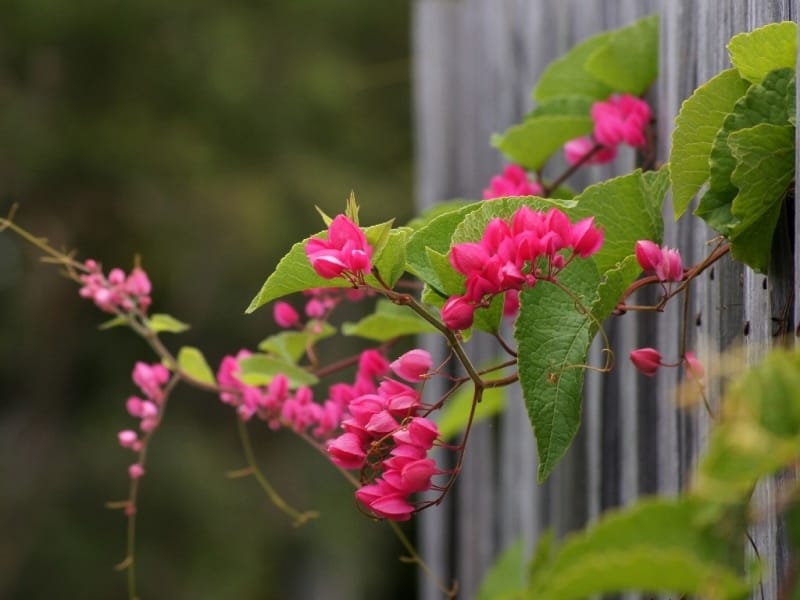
pixel 413 365
pixel 457 313
pixel 285 315
pixel 647 360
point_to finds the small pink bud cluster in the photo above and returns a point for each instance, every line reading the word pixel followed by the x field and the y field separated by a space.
pixel 279 406
pixel 648 360
pixel 387 440
pixel 322 301
pixel 664 262
pixel 117 292
pixel 513 255
pixel 345 252
pixel 621 119
pixel 513 181
pixel 151 380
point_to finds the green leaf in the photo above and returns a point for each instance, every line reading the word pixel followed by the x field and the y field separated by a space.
pixel 192 362
pixel 505 579
pixel 325 218
pixel 574 106
pixel 553 339
pixel 653 546
pixel 759 432
pixel 764 173
pixel 765 102
pixel 628 62
pixel 566 75
pixel 434 235
pixel 260 369
pixel 756 53
pixel 532 142
pixel 696 126
pixel 295 274
pixel 428 215
pixel 292 345
pixel 166 323
pixel 453 418
pixel 448 280
pixel 389 321
pixel 117 321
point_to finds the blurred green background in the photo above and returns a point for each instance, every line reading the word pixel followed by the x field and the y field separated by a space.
pixel 198 135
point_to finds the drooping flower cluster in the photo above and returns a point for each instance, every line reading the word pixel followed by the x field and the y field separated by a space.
pixel 151 380
pixel 664 262
pixel 513 181
pixel 345 252
pixel 388 441
pixel 280 406
pixel 117 292
pixel 513 255
pixel 622 118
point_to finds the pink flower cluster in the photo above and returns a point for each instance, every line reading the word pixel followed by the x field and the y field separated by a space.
pixel 387 440
pixel 513 255
pixel 513 181
pixel 151 380
pixel 320 303
pixel 279 406
pixel 345 252
pixel 117 292
pixel 621 119
pixel 664 262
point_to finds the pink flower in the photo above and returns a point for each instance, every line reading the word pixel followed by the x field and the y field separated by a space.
pixel 150 378
pixel 671 267
pixel 585 238
pixel 413 365
pixel 127 438
pixel 694 368
pixel 575 150
pixel 135 471
pixel 345 252
pixel 346 451
pixel 664 262
pixel 621 118
pixel 648 254
pixel 285 315
pixel 512 182
pixel 647 360
pixel 458 313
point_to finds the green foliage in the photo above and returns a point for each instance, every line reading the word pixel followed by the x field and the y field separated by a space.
pixel 452 418
pixel 532 142
pixel 166 323
pixel 771 47
pixel 506 579
pixel 192 362
pixel 290 346
pixel 295 274
pixel 388 321
pixel 698 121
pixel 654 546
pixel 628 62
pixel 261 369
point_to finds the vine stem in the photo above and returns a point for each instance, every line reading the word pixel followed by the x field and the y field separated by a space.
pixel 299 517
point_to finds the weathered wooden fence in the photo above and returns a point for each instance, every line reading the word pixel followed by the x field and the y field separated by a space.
pixel 475 63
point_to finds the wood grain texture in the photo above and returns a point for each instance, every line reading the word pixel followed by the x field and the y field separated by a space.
pixel 475 63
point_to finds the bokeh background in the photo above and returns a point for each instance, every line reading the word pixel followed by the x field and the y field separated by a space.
pixel 198 135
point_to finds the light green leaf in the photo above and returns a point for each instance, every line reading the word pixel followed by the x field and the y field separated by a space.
pixel 566 75
pixel 756 53
pixel 452 419
pixel 448 281
pixel 117 321
pixel 428 215
pixel 575 106
pixel 553 340
pixel 532 142
pixel 166 323
pixel 696 126
pixel 192 362
pixel 292 345
pixel 653 546
pixel 389 321
pixel 434 235
pixel 628 62
pixel 260 369
pixel 295 274
pixel 765 102
pixel 505 579
pixel 325 218
pixel 764 173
